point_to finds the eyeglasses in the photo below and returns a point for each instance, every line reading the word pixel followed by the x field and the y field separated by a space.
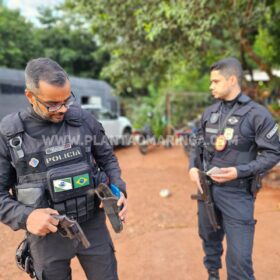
pixel 58 106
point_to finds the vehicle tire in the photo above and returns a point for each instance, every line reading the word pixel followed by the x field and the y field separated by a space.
pixel 143 148
pixel 143 145
pixel 167 145
pixel 126 140
pixel 186 149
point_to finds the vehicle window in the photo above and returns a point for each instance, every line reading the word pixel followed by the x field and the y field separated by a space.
pixel 94 112
pixel 102 114
pixel 106 115
pixel 11 89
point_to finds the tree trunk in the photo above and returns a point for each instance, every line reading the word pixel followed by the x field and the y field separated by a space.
pixel 249 50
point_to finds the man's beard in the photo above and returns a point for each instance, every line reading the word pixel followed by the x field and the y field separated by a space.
pixel 45 117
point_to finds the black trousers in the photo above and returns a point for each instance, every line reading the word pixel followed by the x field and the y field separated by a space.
pixel 52 254
pixel 235 213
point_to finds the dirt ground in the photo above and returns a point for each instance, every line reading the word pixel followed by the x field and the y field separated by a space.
pixel 160 239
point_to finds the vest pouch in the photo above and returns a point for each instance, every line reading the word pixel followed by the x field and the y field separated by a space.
pixel 70 181
pixel 32 194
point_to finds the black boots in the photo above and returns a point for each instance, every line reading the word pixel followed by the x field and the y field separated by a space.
pixel 213 275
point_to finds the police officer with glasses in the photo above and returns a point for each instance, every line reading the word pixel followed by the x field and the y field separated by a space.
pixel 51 158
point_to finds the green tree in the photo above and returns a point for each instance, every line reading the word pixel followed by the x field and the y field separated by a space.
pixel 147 37
pixel 17 41
pixel 67 40
pixel 61 36
pixel 267 41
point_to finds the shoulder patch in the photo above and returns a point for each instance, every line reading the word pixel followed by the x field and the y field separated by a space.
pixel 270 134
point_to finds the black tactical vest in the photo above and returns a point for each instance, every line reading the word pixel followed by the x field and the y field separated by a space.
pixel 55 171
pixel 239 149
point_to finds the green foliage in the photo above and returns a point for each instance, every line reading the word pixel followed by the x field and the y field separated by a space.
pixel 265 46
pixel 182 77
pixel 187 106
pixel 267 41
pixel 154 103
pixel 148 48
pixel 61 36
pixel 17 41
pixel 147 38
pixel 66 39
pixel 170 45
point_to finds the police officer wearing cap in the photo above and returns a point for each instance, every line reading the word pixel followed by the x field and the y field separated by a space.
pixel 240 138
pixel 51 155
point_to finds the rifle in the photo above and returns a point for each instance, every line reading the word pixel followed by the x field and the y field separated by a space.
pixel 206 197
pixel 205 184
pixel 70 228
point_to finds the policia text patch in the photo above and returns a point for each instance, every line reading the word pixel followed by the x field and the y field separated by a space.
pixel 63 156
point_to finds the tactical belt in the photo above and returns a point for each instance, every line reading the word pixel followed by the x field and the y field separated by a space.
pixel 240 183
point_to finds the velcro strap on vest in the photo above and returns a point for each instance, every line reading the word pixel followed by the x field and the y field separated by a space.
pixel 34 177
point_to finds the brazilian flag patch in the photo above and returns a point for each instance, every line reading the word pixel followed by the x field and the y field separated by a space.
pixel 81 181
